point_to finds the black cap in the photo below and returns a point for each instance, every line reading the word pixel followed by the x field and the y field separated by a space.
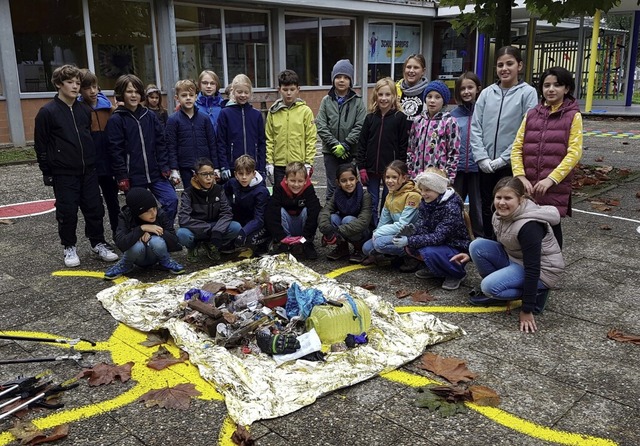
pixel 140 200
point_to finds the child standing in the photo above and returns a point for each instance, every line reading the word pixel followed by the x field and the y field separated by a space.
pixel 240 130
pixel 209 100
pixel 442 232
pixel 248 196
pixel 101 110
pixel 144 235
pixel 189 135
pixel 153 102
pixel 205 215
pixel 346 216
pixel 383 139
pixel 434 138
pixel 400 209
pixel 137 146
pixel 66 156
pixel 411 87
pixel 549 144
pixel 293 212
pixel 467 182
pixel 290 130
pixel 496 118
pixel 339 121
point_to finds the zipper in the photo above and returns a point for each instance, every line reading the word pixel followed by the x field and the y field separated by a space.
pixel 244 132
pixel 466 167
pixel 378 149
pixel 75 125
pixel 495 141
pixel 144 147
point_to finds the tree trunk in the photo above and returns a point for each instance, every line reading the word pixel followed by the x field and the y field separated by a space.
pixel 503 23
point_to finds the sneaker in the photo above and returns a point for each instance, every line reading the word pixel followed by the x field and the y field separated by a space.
pixel 410 264
pixel 424 273
pixel 277 248
pixel 228 249
pixel 482 300
pixel 339 252
pixel 105 252
pixel 310 252
pixel 357 256
pixel 369 260
pixel 451 283
pixel 71 258
pixel 193 253
pixel 117 270
pixel 171 265
pixel 212 252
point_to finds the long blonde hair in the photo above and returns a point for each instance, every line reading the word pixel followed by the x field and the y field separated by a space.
pixel 384 82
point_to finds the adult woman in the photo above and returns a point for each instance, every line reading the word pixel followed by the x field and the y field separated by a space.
pixel 411 87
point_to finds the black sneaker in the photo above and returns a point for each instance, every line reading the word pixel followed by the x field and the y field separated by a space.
pixel 309 250
pixel 410 264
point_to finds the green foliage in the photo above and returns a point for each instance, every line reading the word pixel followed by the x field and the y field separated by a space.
pixel 17 155
pixel 434 403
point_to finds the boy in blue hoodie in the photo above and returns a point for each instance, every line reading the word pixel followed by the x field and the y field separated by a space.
pixel 248 196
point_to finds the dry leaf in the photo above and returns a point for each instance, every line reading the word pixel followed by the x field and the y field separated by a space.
pixel 25 431
pixel 599 159
pixel 107 373
pixel 163 358
pixel 242 437
pixel 177 397
pixel 624 172
pixel 6 221
pixel 637 194
pixel 612 201
pixel 452 369
pixel 422 296
pixel 401 294
pixel 371 287
pixel 59 432
pixel 605 227
pixel 453 394
pixel 484 396
pixel 619 336
pixel 600 207
pixel 213 287
pixel 156 338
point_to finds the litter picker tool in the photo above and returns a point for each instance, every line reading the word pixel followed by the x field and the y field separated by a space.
pixel 73 355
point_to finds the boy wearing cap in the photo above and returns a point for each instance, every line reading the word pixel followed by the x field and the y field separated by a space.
pixel 145 235
pixel 339 121
pixel 434 138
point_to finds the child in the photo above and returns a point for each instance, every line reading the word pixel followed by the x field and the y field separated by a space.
pixel 346 216
pixel 383 139
pixel 248 196
pixel 545 164
pixel 400 209
pixel 339 121
pixel 434 138
pixel 66 156
pixel 290 130
pixel 101 109
pixel 525 261
pixel 240 130
pixel 410 88
pixel 144 235
pixel 153 102
pixel 496 118
pixel 467 182
pixel 205 215
pixel 209 100
pixel 137 146
pixel 293 212
pixel 189 135
pixel 442 232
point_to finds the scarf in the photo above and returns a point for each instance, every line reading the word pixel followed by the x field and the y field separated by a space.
pixel 415 90
pixel 348 204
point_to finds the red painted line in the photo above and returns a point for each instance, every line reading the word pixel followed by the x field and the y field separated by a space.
pixel 27 208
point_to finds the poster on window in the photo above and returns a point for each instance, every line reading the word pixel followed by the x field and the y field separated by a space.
pixel 381 41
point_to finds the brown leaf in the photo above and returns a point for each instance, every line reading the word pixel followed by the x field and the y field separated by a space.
pixel 452 369
pixel 59 432
pixel 371 287
pixel 25 431
pixel 453 394
pixel 213 287
pixel 107 373
pixel 177 397
pixel 484 396
pixel 624 172
pixel 242 437
pixel 599 159
pixel 637 194
pixel 619 336
pixel 401 294
pixel 605 227
pixel 612 201
pixel 156 338
pixel 422 296
pixel 589 181
pixel 600 207
pixel 163 358
pixel 5 221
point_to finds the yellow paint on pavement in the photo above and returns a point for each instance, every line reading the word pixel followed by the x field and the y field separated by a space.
pixel 226 431
pixel 347 269
pixel 468 309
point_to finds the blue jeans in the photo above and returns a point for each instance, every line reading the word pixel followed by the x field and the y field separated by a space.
pixel 336 221
pixel 146 254
pixel 188 239
pixel 502 278
pixel 292 224
pixel 437 260
pixel 383 245
pixel 373 186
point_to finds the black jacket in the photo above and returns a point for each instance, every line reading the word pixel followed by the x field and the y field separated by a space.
pixel 129 230
pixel 382 139
pixel 204 212
pixel 293 204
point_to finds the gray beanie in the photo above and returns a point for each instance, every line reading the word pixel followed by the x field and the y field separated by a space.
pixel 342 66
pixel 432 181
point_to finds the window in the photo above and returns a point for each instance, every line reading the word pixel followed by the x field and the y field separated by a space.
pixel 383 61
pixel 199 39
pixel 248 46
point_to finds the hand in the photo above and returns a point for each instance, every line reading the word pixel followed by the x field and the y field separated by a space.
pixel 339 151
pixel 407 230
pixel 145 237
pixel 527 322
pixel 401 241
pixel 152 229
pixel 270 172
pixel 225 174
pixel 175 177
pixel 47 180
pixel 216 174
pixel 460 258
pixel 497 164
pixel 485 165
pixel 166 174
pixel 364 178
pixel 542 186
pixel 123 185
pixel 309 168
pixel 526 183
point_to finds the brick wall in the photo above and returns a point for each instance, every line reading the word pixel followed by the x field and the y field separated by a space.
pixel 30 108
pixel 4 124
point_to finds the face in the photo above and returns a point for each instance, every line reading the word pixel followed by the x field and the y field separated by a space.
pixel 413 72
pixel 244 177
pixel 289 94
pixel 507 69
pixel 428 195
pixel 394 180
pixel 90 94
pixel 552 91
pixel 242 93
pixel 187 99
pixel 206 176
pixel 385 98
pixel 149 216
pixel 208 87
pixel 434 102
pixel 153 99
pixel 468 91
pixel 347 181
pixel 131 97
pixel 69 89
pixel 295 182
pixel 342 83
pixel 506 201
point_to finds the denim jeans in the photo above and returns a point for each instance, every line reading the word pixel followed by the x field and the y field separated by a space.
pixel 501 277
pixel 373 187
pixel 383 245
pixel 337 221
pixel 292 224
pixel 188 239
pixel 146 254
pixel 437 260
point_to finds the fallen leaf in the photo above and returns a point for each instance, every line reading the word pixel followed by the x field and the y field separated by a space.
pixel 453 370
pixel 600 207
pixel 25 431
pixel 605 227
pixel 401 294
pixel 371 287
pixel 213 287
pixel 422 296
pixel 637 194
pixel 163 358
pixel 435 403
pixel 484 396
pixel 599 159
pixel 107 373
pixel 156 338
pixel 177 397
pixel 242 437
pixel 59 432
pixel 624 172
pixel 619 336
pixel 452 394
pixel 6 221
pixel 612 201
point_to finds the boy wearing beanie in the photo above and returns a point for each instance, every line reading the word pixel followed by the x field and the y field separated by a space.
pixel 145 235
pixel 339 121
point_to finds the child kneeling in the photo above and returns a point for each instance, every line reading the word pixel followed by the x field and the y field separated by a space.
pixel 145 235
pixel 347 215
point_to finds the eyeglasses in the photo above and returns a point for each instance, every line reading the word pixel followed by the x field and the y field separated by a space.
pixel 206 174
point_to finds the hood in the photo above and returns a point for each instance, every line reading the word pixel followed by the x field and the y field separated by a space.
pixel 102 102
pixel 450 192
pixel 279 104
pixel 290 194
pixel 256 181
pixel 209 101
pixel 139 113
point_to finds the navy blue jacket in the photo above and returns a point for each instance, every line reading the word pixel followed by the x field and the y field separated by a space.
pixel 137 146
pixel 241 132
pixel 463 115
pixel 248 203
pixel 189 139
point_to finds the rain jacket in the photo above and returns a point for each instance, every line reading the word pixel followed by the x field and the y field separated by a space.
pixel 340 124
pixel 291 133
pixel 240 132
pixel 400 209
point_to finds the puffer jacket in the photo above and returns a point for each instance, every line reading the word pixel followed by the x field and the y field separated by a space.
pixel 434 141
pixel 240 132
pixel 248 204
pixel 205 212
pixel 291 133
pixel 340 124
pixel 190 138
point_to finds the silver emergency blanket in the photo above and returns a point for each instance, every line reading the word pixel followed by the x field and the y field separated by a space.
pixel 253 385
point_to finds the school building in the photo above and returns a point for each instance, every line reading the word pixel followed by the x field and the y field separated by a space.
pixel 162 41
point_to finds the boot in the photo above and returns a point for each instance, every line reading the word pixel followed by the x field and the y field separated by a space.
pixel 339 252
pixel 357 256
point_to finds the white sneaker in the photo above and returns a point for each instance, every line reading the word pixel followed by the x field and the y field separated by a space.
pixel 71 258
pixel 105 252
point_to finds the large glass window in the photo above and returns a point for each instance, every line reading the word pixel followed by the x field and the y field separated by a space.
pixel 199 40
pixel 389 45
pixel 47 35
pixel 337 43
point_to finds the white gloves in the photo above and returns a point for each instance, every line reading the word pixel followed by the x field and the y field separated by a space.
pixel 270 172
pixel 485 165
pixel 175 177
pixel 309 168
pixel 498 163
